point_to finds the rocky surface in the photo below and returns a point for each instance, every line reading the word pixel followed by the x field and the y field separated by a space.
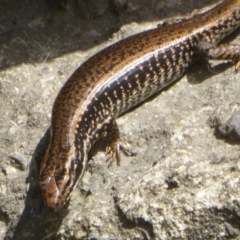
pixel 184 181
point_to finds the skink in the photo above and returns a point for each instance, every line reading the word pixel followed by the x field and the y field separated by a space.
pixel 116 79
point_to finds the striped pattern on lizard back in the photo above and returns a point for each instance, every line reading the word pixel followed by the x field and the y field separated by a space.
pixel 116 79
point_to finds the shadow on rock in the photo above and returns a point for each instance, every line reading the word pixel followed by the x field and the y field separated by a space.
pixel 36 221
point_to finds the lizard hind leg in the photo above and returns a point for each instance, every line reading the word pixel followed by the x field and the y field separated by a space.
pixel 221 52
pixel 108 129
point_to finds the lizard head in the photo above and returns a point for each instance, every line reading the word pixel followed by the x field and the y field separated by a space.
pixel 60 172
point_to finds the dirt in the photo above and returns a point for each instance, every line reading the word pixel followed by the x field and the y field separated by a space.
pixel 42 43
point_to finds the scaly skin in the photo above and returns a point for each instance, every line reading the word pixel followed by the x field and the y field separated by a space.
pixel 116 79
